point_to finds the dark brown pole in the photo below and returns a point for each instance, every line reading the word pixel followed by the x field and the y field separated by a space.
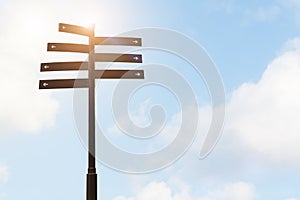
pixel 92 175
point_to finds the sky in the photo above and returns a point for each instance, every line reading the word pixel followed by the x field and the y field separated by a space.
pixel 255 46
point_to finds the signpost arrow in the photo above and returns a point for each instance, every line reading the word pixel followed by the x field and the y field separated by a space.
pixel 84 83
pixel 67 47
pixel 100 57
pixel 63 66
pixel 115 57
pixel 119 74
pixel 79 30
pixel 64 83
pixel 122 41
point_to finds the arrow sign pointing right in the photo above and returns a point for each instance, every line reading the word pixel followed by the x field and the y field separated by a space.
pixel 119 74
pixel 114 57
pixel 122 41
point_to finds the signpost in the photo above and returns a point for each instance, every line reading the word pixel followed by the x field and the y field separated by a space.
pixel 90 81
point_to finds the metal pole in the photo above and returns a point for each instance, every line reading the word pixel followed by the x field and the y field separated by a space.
pixel 92 175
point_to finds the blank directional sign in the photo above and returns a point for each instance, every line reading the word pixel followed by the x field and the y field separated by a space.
pixel 122 41
pixel 67 47
pixel 84 83
pixel 99 57
pixel 114 57
pixel 79 30
pixel 119 74
pixel 63 66
pixel 64 83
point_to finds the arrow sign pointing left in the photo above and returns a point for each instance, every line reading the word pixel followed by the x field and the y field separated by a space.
pixel 79 30
pixel 84 83
pixel 64 83
pixel 67 47
pixel 64 66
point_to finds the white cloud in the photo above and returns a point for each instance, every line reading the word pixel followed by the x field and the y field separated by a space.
pixel 264 116
pixel 23 107
pixel 291 45
pixel 154 190
pixel 233 191
pixel 179 191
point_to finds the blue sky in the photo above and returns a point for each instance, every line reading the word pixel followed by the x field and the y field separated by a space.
pixel 256 48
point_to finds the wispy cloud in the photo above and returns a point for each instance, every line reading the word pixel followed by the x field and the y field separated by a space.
pixel 227 6
pixel 23 107
pixel 292 2
pixel 264 14
pixel 232 191
pixel 3 174
pixel 291 45
pixel 169 191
